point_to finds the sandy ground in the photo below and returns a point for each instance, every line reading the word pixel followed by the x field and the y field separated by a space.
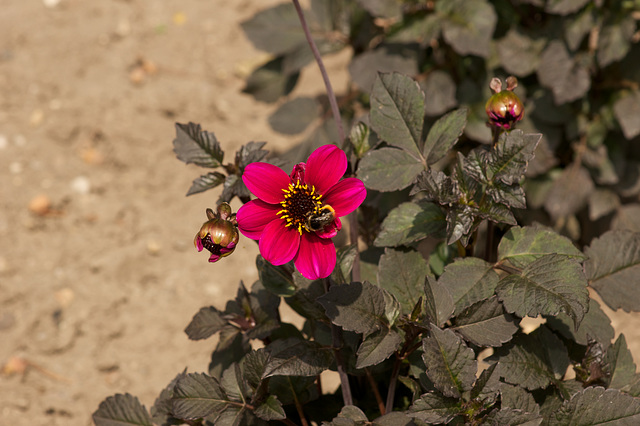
pixel 98 274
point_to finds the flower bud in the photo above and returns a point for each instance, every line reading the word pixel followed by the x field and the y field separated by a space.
pixel 504 107
pixel 219 234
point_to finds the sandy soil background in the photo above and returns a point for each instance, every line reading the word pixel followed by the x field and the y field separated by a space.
pixel 98 274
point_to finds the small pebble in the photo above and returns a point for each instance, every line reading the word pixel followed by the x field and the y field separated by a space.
pixel 40 205
pixel 153 247
pixel 64 297
pixel 51 3
pixel 81 185
pixel 4 142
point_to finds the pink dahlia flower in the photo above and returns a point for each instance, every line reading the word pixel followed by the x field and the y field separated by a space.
pixel 296 216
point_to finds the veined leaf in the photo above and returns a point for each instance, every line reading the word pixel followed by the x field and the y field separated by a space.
pixel 613 269
pixel 360 307
pixel 378 346
pixel 468 25
pixel 206 182
pixel 451 365
pixel 435 408
pixel 620 364
pixel 517 398
pixel 532 360
pixel 509 160
pixel 397 111
pixel 121 410
pixel 546 286
pixel 295 357
pixel 486 323
pixel 444 134
pixel 402 273
pixel 411 222
pixel 595 324
pixel 205 323
pixel 513 417
pixel 270 409
pixel 567 79
pixel 197 395
pixel 626 111
pixel 522 245
pixel 388 169
pixel 438 302
pixel 596 406
pixel 469 280
pixel 460 224
pixel 439 187
pixel 193 145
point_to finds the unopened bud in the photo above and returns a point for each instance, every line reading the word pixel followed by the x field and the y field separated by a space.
pixel 219 234
pixel 504 107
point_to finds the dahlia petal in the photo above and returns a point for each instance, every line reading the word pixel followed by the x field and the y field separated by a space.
pixel 346 196
pixel 331 230
pixel 254 216
pixel 316 257
pixel 266 181
pixel 325 166
pixel 279 244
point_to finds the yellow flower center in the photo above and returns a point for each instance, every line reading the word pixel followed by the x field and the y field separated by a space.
pixel 300 202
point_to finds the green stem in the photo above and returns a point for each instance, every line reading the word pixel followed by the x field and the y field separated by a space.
pixel 325 77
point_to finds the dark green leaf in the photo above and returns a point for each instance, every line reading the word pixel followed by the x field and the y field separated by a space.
pixel 294 357
pixel 513 417
pixel 402 273
pixel 521 246
pixel 350 415
pixel 627 111
pixel 569 192
pixel 532 360
pixel 497 213
pixel 161 412
pixel 468 25
pixel 469 280
pixel 250 153
pixel 197 395
pixel 577 27
pixel 460 221
pixel 435 408
pixel 488 384
pixel 394 418
pixel 509 159
pixel 438 302
pixel 270 409
pixel 620 366
pixel 304 300
pixel 401 58
pixel 269 82
pixel 451 365
pixel 411 222
pixel 231 347
pixel 290 389
pixel 294 116
pixel 486 323
pixel 360 138
pixel 193 145
pixel 517 398
pixel 345 258
pixel 439 187
pixel 397 111
pixel 613 269
pixel 596 406
pixel 444 134
pixel 378 346
pixel 121 410
pixel 596 325
pixel 565 7
pixel 360 307
pixel 519 54
pixel 546 286
pixel 388 169
pixel 440 89
pixel 509 195
pixel 233 187
pixel 234 385
pixel 276 279
pixel 567 79
pixel 206 182
pixel 254 365
pixel 205 323
pixel 615 40
pixel 275 30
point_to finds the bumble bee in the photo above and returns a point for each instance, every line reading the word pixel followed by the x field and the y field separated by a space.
pixel 318 219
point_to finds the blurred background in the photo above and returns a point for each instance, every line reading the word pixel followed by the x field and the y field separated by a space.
pixel 98 272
